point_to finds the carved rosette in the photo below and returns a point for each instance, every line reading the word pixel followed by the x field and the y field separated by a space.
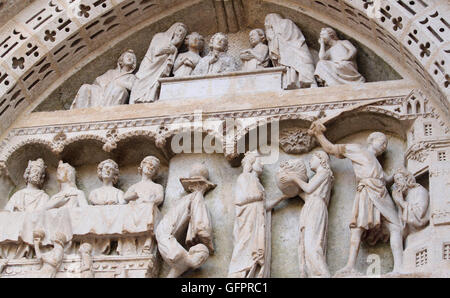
pixel 296 140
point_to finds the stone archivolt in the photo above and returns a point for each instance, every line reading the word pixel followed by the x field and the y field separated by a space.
pixel 40 47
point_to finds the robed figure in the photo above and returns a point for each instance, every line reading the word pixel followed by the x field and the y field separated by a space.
pixel 249 233
pixel 158 63
pixel 111 88
pixel 287 47
pixel 189 214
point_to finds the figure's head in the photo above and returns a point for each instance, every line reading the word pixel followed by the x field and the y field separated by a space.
pixel 251 162
pixel 35 172
pixel 378 142
pixel 198 255
pixel 328 34
pixel 199 170
pixel 195 41
pixel 108 170
pixel 319 159
pixel 404 179
pixel 257 36
pixel 65 173
pixel 271 20
pixel 179 31
pixel 85 248
pixel 128 61
pixel 149 166
pixel 219 42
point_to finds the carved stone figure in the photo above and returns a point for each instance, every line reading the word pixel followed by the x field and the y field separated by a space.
pixel 337 61
pixel 190 212
pixel 86 261
pixel 69 195
pixel 32 197
pixel 412 199
pixel 147 191
pixel 373 208
pixel 258 56
pixel 217 61
pixel 158 63
pixel 52 260
pixel 287 47
pixel 108 173
pixel 111 88
pixel 249 234
pixel 186 62
pixel 314 214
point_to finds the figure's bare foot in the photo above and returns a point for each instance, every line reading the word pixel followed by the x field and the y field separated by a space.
pixel 348 271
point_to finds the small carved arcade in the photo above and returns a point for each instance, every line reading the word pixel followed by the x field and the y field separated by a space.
pixel 142 219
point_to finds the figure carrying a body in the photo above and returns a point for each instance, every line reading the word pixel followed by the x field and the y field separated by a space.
pixel 314 214
pixel 373 209
pixel 157 63
pixel 111 88
pixel 258 56
pixel 249 233
pixel 287 47
pixel 217 61
pixel 337 61
pixel 186 62
pixel 413 201
pixel 189 213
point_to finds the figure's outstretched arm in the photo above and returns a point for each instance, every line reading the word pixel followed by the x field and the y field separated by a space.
pixel 317 129
pixel 274 203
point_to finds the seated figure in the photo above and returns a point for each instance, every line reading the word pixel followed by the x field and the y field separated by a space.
pixel 186 62
pixel 31 198
pixel 69 196
pixel 258 56
pixel 337 61
pixel 145 191
pixel 111 88
pixel 217 61
pixel 108 173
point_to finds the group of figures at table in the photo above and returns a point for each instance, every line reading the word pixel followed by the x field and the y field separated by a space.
pixel 376 215
pixel 281 45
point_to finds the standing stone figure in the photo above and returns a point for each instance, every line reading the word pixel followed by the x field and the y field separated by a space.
pixel 314 215
pixel 258 56
pixel 52 260
pixel 288 48
pixel 412 199
pixel 69 196
pixel 373 208
pixel 249 234
pixel 147 191
pixel 337 61
pixel 188 213
pixel 111 88
pixel 158 63
pixel 217 61
pixel 186 62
